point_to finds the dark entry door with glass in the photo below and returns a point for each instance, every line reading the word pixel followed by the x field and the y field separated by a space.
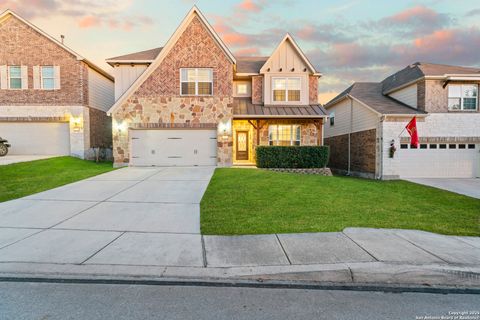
pixel 242 145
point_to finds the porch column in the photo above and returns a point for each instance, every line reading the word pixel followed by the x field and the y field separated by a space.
pixel 319 125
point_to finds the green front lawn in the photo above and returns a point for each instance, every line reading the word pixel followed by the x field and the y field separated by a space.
pixel 25 178
pixel 249 201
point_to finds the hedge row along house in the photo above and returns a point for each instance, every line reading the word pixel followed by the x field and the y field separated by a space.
pixel 192 102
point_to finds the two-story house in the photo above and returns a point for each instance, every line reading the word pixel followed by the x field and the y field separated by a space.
pixel 192 102
pixel 366 127
pixel 53 101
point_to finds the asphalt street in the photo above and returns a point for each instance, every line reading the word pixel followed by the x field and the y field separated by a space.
pixel 106 301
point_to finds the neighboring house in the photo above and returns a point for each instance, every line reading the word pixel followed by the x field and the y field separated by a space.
pixel 52 100
pixel 193 102
pixel 367 117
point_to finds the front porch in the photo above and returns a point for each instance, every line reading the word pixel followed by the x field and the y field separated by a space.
pixel 253 132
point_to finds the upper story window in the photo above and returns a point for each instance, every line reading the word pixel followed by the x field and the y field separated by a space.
pixel 48 77
pixel 196 81
pixel 284 135
pixel 242 88
pixel 286 89
pixel 463 97
pixel 15 77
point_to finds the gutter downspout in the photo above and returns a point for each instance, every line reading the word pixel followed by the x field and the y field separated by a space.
pixel 380 144
pixel 349 135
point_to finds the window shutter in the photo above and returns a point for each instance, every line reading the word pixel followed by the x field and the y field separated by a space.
pixel 36 77
pixel 56 72
pixel 24 77
pixel 3 77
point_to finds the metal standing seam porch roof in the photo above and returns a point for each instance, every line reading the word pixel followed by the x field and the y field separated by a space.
pixel 243 108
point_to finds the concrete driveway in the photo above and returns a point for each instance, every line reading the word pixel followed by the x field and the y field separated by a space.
pixel 141 216
pixel 468 187
pixel 9 159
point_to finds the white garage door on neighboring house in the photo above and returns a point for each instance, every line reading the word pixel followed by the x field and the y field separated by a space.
pixel 439 160
pixel 37 138
pixel 173 147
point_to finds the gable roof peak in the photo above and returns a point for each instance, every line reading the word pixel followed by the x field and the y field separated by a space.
pixel 289 37
pixel 58 43
pixel 194 12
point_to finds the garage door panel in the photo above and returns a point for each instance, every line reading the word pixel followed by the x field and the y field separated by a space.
pixel 37 138
pixel 439 163
pixel 173 147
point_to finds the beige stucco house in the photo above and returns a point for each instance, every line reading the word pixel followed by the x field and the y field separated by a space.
pixel 53 101
pixel 192 102
pixel 367 119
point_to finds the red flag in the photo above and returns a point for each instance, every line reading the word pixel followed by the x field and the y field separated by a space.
pixel 412 131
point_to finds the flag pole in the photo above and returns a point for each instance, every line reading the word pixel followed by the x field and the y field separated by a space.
pixel 401 132
pixel 404 128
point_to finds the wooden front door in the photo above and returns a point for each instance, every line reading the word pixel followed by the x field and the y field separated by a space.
pixel 242 145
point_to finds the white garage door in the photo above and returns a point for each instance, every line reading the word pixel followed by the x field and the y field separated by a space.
pixel 50 138
pixel 168 147
pixel 439 161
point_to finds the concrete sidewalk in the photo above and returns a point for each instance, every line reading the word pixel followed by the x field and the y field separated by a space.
pixel 10 159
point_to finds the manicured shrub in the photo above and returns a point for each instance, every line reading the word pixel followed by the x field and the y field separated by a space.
pixel 292 156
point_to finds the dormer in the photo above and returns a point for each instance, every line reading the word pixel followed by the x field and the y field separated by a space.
pixel 288 77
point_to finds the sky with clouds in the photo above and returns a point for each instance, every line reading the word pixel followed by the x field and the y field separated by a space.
pixel 347 40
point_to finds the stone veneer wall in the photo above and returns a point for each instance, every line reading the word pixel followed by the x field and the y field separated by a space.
pixel 362 151
pixel 22 45
pixel 313 89
pixel 157 102
pixel 308 135
pixel 257 89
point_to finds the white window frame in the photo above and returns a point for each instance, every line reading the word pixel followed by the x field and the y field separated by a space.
pixel 53 77
pixel 9 77
pixel 462 92
pixel 196 82
pixel 292 140
pixel 286 89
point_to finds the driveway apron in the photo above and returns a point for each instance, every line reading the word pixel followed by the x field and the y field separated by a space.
pixel 141 216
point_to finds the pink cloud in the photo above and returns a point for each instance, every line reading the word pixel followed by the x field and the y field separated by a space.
pixel 247 52
pixel 413 13
pixel 89 22
pixel 306 32
pixel 435 40
pixel 235 39
pixel 249 5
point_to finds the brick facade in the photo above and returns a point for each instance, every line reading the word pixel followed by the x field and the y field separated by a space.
pixel 21 45
pixel 100 129
pixel 158 99
pixel 313 89
pixel 435 97
pixel 362 151
pixel 36 50
pixel 257 89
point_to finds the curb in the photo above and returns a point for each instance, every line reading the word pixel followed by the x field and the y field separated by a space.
pixel 234 283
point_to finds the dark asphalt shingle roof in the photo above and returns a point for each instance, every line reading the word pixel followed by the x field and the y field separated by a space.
pixel 250 64
pixel 244 107
pixel 141 55
pixel 421 69
pixel 370 93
